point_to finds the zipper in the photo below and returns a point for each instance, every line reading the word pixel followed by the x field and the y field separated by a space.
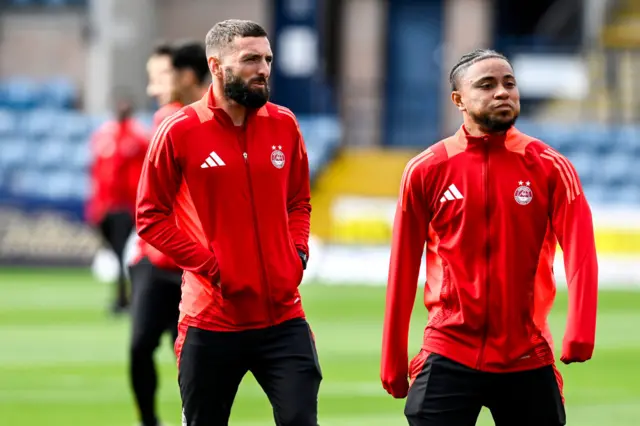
pixel 485 331
pixel 265 284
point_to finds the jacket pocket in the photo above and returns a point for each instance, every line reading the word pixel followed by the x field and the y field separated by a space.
pixel 286 276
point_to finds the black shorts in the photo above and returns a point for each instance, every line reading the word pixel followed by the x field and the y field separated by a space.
pixel 155 304
pixel 282 358
pixel 447 393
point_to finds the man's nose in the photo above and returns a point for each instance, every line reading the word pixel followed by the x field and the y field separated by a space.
pixel 264 69
pixel 501 93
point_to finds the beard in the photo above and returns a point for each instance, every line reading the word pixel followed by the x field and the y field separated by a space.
pixel 494 123
pixel 237 90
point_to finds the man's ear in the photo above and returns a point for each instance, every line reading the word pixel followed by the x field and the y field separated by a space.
pixel 214 66
pixel 456 98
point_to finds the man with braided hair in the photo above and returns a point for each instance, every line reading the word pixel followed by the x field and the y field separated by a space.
pixel 491 204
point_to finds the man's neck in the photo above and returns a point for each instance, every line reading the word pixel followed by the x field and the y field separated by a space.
pixel 236 112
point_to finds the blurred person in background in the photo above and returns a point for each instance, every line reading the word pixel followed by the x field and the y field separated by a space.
pixel 118 149
pixel 191 77
pixel 491 204
pixel 155 277
pixel 225 192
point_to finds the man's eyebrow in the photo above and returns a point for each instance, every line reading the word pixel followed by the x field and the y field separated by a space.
pixel 483 79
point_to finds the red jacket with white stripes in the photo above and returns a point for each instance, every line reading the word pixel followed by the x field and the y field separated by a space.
pixel 118 150
pixel 231 205
pixel 144 249
pixel 491 211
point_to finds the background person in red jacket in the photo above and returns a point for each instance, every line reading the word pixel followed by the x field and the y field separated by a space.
pixel 118 148
pixel 225 193
pixel 155 277
pixel 491 203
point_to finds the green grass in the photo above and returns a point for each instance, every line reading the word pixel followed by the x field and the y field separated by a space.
pixel 63 360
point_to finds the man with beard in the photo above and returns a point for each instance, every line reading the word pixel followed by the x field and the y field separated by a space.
pixel 490 203
pixel 225 193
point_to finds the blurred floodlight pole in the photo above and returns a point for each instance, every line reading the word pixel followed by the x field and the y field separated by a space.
pixel 121 34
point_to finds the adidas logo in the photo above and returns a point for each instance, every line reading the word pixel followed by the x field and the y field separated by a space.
pixel 451 193
pixel 213 160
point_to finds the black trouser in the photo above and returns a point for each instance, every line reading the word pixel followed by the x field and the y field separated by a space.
pixel 447 393
pixel 116 228
pixel 283 359
pixel 155 310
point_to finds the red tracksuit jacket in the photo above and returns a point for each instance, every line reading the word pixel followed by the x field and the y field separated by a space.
pixel 143 248
pixel 118 150
pixel 491 211
pixel 231 206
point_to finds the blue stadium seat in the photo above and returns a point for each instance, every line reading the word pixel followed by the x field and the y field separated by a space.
pixel 15 152
pixel 615 169
pixel 59 92
pixel 73 126
pixel 80 156
pixel 628 194
pixel 52 153
pixel 19 93
pixel 29 182
pixel 585 165
pixel 8 124
pixel 595 193
pixel 40 123
pixel 627 139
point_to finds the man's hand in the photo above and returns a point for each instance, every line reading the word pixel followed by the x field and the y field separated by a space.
pixel 303 258
pixel 576 352
pixel 398 387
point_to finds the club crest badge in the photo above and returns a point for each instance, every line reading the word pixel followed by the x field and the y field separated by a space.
pixel 277 157
pixel 523 194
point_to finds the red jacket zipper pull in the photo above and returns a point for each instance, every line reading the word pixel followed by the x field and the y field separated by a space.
pixel 244 154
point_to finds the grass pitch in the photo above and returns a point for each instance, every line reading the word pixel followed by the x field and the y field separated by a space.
pixel 63 359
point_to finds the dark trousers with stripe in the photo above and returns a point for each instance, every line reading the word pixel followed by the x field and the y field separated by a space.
pixel 282 358
pixel 446 393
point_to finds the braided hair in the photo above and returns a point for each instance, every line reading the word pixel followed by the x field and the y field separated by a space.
pixel 469 59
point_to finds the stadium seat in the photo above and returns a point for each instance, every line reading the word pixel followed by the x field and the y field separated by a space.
pixel 59 92
pixel 584 163
pixel 15 152
pixel 615 169
pixel 8 123
pixel 73 126
pixel 52 153
pixel 628 194
pixel 19 93
pixel 40 123
pixel 80 156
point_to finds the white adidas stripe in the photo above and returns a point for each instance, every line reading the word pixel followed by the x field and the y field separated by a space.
pixel 213 160
pixel 452 193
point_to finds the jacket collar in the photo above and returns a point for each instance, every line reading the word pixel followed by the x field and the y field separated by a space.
pixel 510 137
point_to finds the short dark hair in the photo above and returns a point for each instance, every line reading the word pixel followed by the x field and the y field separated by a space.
pixel 469 59
pixel 223 33
pixel 162 49
pixel 191 55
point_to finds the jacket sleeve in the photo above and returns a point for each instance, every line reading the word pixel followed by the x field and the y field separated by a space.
pixel 573 226
pixel 155 220
pixel 299 196
pixel 408 241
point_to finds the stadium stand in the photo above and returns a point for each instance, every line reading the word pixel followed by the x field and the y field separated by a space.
pixel 44 143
